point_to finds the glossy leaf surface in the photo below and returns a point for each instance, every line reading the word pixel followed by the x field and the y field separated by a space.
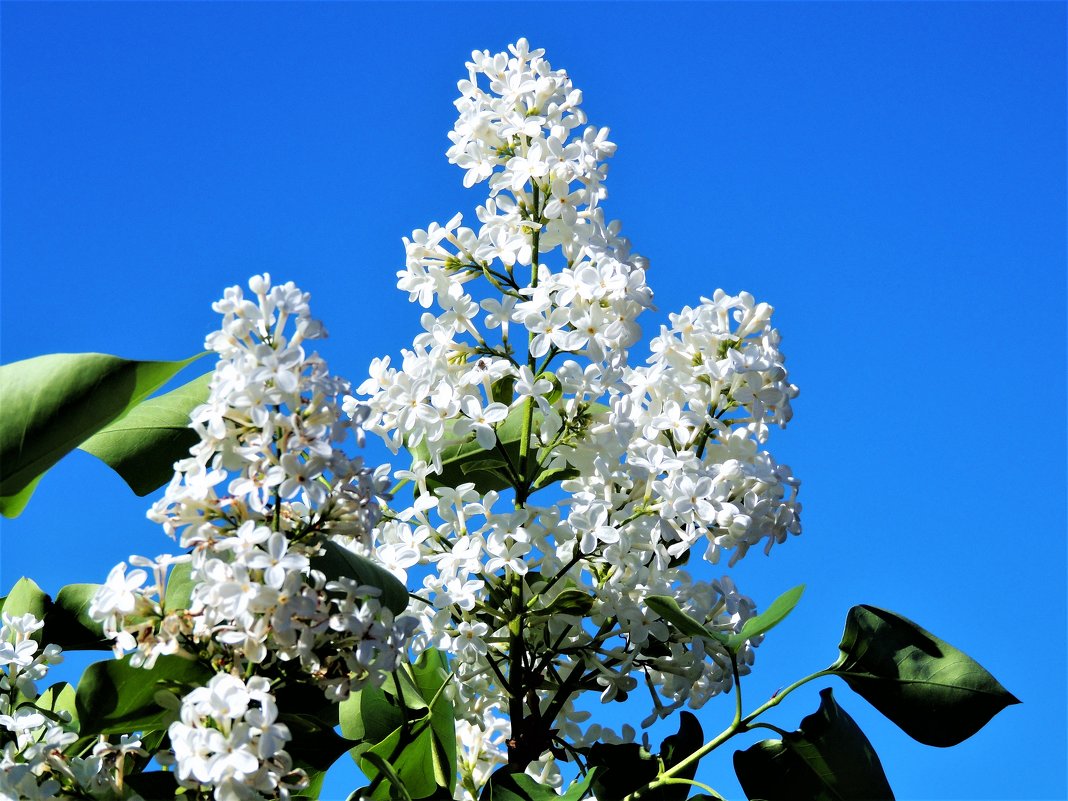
pixel 827 759
pixel 143 445
pixel 54 403
pixel 113 696
pixel 936 693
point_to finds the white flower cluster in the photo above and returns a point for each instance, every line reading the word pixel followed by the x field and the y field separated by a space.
pixel 262 498
pixel 34 732
pixel 656 460
pixel 229 738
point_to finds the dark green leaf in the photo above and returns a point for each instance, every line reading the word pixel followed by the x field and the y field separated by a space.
pixel 504 785
pixel 669 609
pixel 504 390
pixel 54 403
pixel 314 744
pixel 68 624
pixel 155 785
pixel 622 769
pixel 937 694
pixel 768 619
pixel 556 474
pixel 387 783
pixel 626 767
pixel 337 561
pixel 143 445
pixel 827 759
pixel 569 602
pixel 673 750
pixel 113 696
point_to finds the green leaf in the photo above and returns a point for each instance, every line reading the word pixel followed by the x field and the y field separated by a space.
pixel 409 752
pixel 67 622
pixel 569 602
pixel 155 785
pixel 113 696
pixel 768 619
pixel 314 745
pixel 408 701
pixel 27 598
pixel 937 694
pixel 504 785
pixel 180 586
pixel 54 403
pixel 669 609
pixel 467 461
pixel 337 561
pixel 12 505
pixel 430 673
pixel 57 699
pixel 673 750
pixel 622 769
pixel 627 767
pixel 143 445
pixel 368 716
pixel 315 785
pixel 827 759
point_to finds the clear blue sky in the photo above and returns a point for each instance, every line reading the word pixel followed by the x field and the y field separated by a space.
pixel 891 177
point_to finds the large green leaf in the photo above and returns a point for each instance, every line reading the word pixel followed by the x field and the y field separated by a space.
pixel 67 622
pixel 337 561
pixel 408 702
pixel 113 696
pixel 143 445
pixel 410 753
pixel 768 619
pixel 505 785
pixel 369 715
pixel 827 759
pixel 937 694
pixel 431 673
pixel 66 619
pixel 54 403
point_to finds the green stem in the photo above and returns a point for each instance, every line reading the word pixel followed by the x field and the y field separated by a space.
pixel 740 725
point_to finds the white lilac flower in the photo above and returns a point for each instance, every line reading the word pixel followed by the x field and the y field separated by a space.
pixel 659 460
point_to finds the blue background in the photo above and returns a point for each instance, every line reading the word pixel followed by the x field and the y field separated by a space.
pixel 891 177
